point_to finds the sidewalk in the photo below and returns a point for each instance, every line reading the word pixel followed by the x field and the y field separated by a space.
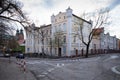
pixel 11 71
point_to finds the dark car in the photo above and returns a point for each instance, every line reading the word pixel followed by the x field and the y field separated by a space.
pixel 6 55
pixel 20 56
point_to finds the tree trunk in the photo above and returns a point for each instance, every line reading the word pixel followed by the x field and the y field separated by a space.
pixel 87 50
pixel 43 47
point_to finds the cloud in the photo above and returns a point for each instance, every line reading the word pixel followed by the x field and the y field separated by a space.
pixel 113 4
pixel 47 3
pixel 40 11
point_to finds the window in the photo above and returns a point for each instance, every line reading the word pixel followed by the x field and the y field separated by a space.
pixel 74 40
pixel 55 39
pixel 55 50
pixel 64 49
pixel 64 39
pixel 46 40
pixel 47 32
pixel 28 49
pixel 50 31
pixel 94 46
pixel 64 27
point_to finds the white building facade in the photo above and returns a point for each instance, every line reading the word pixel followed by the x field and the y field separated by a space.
pixel 67 22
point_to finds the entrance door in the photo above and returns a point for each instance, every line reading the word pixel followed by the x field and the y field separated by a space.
pixel 76 52
pixel 59 53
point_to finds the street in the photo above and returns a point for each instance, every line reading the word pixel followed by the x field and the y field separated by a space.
pixel 97 67
pixel 94 68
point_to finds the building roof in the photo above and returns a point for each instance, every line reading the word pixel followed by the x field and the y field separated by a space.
pixel 43 26
pixel 98 31
pixel 81 18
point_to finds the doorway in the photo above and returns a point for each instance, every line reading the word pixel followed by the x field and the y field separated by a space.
pixel 59 52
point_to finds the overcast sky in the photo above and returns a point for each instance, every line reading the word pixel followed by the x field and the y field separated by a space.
pixel 40 11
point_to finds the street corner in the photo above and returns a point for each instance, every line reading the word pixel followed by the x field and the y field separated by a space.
pixel 116 69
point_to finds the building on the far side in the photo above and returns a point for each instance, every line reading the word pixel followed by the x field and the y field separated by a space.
pixel 104 41
pixel 20 37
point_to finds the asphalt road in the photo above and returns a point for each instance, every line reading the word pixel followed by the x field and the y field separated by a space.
pixel 12 71
pixel 100 67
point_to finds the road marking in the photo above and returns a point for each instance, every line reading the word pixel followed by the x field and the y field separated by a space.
pixel 76 59
pixel 45 73
pixel 33 62
pixel 50 69
pixel 41 75
pixel 112 57
pixel 115 70
pixel 58 65
pixel 63 64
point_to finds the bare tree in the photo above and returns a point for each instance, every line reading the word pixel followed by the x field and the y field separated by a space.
pixel 42 34
pixel 4 32
pixel 10 11
pixel 12 43
pixel 99 19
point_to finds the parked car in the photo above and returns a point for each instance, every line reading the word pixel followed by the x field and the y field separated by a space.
pixel 6 55
pixel 20 56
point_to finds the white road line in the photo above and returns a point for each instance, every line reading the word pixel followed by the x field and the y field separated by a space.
pixel 62 64
pixel 45 73
pixel 112 57
pixel 33 62
pixel 51 69
pixel 115 70
pixel 76 59
pixel 41 75
pixel 58 65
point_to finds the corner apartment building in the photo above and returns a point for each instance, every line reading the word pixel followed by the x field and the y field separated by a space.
pixel 66 22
